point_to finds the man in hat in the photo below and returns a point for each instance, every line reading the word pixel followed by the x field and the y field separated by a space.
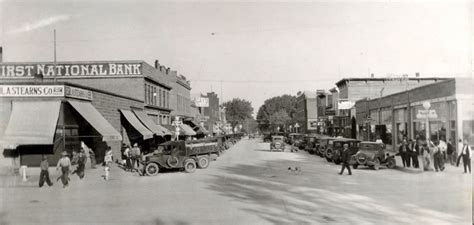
pixel 81 163
pixel 44 175
pixel 345 157
pixel 135 154
pixel 64 163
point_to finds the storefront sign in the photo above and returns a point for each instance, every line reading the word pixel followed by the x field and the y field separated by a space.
pixel 44 91
pixel 31 91
pixel 427 114
pixel 70 69
pixel 201 102
pixel 79 93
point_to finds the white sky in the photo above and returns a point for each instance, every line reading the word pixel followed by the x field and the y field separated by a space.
pixel 297 46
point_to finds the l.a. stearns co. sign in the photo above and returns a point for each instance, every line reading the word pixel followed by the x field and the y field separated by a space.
pixel 49 70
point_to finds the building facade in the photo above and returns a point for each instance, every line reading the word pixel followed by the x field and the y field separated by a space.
pixel 398 116
pixel 98 104
pixel 211 114
pixel 351 90
pixel 307 112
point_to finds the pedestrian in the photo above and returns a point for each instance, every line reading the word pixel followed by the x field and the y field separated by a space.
pixel 81 164
pixel 443 147
pixel 466 156
pixel 92 156
pixel 415 151
pixel 451 152
pixel 108 159
pixel 459 150
pixel 345 157
pixel 425 152
pixel 44 174
pixel 135 156
pixel 128 159
pixel 403 151
pixel 64 163
pixel 437 157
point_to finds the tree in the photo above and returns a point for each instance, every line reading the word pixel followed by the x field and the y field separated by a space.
pixel 278 104
pixel 237 111
pixel 279 119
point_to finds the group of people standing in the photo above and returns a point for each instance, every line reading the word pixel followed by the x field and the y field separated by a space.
pixel 440 151
pixel 65 164
pixel 132 157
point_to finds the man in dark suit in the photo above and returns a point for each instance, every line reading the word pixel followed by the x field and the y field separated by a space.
pixel 345 157
pixel 415 151
pixel 404 151
pixel 466 156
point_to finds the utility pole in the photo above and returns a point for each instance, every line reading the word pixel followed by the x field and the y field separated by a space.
pixel 54 36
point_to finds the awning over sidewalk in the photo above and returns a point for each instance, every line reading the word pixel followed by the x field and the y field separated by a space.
pixel 196 127
pixel 96 120
pixel 148 122
pixel 133 120
pixel 186 130
pixel 31 123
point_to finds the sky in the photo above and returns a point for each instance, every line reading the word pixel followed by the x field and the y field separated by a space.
pixel 249 49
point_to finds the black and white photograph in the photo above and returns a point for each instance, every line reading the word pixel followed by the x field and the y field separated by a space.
pixel 236 112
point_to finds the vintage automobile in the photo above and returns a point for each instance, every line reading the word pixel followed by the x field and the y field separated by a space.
pixel 294 138
pixel 278 143
pixel 322 144
pixel 310 143
pixel 179 155
pixel 334 148
pixel 373 154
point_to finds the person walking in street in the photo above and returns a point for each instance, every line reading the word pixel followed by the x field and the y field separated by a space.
pixel 345 157
pixel 64 163
pixel 459 150
pixel 451 152
pixel 415 151
pixel 92 156
pixel 403 151
pixel 437 157
pixel 81 164
pixel 108 159
pixel 135 154
pixel 44 174
pixel 425 154
pixel 466 156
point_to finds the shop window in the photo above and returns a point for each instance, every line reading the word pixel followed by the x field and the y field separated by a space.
pixel 168 100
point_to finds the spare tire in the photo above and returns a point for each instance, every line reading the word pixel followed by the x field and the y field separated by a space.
pixel 361 158
pixel 172 161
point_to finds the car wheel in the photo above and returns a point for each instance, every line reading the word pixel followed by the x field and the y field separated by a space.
pixel 361 158
pixel 203 162
pixel 152 169
pixel 355 166
pixel 189 166
pixel 337 161
pixel 376 164
pixel 391 163
pixel 328 159
pixel 329 154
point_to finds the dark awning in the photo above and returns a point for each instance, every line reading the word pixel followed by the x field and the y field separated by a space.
pixel 148 122
pixel 31 123
pixel 133 120
pixel 96 120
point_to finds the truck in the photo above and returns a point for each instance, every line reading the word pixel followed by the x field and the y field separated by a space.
pixel 185 155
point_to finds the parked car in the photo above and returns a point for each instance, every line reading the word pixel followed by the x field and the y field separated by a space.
pixel 322 144
pixel 334 148
pixel 373 154
pixel 295 138
pixel 179 155
pixel 310 143
pixel 278 143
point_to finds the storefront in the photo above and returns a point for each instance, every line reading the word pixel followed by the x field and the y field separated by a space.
pixel 96 104
pixel 404 115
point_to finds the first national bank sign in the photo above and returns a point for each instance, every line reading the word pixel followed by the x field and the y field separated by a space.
pixel 70 69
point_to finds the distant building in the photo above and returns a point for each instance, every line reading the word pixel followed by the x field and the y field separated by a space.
pixel 306 112
pixel 400 115
pixel 211 113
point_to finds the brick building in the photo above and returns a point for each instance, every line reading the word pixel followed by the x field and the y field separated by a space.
pixel 306 112
pixel 397 116
pixel 352 89
pixel 211 114
pixel 128 98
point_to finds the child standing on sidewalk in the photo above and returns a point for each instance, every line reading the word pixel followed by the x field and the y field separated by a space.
pixel 107 162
